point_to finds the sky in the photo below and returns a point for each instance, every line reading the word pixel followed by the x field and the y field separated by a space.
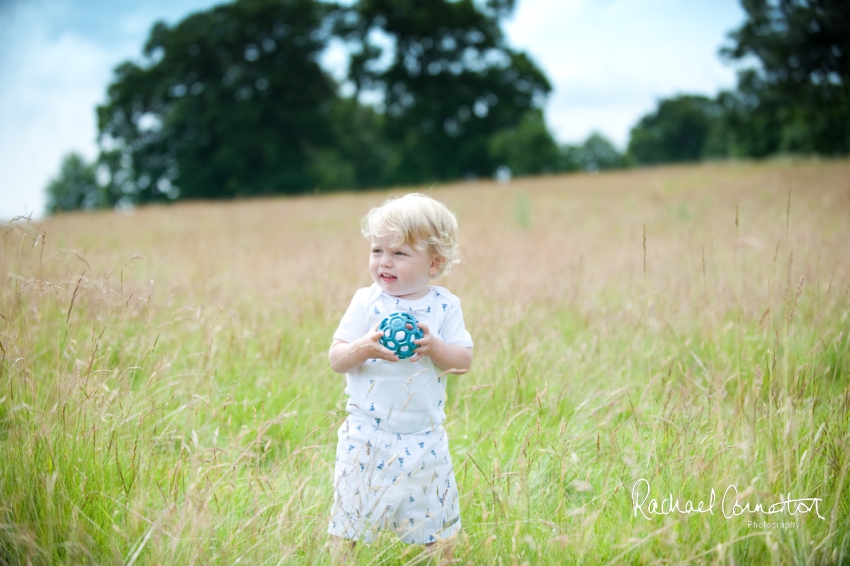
pixel 609 61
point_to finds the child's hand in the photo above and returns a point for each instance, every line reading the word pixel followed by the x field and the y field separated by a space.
pixel 345 356
pixel 372 342
pixel 452 358
pixel 424 345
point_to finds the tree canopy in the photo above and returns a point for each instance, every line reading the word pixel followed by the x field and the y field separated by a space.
pixel 796 41
pixel 527 148
pixel 597 153
pixel 795 99
pixel 75 188
pixel 233 101
pixel 447 79
pixel 675 132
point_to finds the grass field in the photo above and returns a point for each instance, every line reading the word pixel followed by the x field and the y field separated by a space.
pixel 165 396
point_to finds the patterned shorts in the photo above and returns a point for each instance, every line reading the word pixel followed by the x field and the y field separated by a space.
pixel 402 482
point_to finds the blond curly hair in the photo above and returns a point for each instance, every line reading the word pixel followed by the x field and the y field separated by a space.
pixel 418 221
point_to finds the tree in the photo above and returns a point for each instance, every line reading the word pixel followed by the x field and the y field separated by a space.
pixel 750 121
pixel 796 41
pixel 231 102
pixel 447 80
pixel 798 97
pixel 527 148
pixel 361 145
pixel 76 187
pixel 597 153
pixel 675 132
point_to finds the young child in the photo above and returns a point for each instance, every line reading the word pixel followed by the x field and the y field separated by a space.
pixel 393 469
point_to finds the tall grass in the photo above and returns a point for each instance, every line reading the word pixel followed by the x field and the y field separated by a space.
pixel 165 395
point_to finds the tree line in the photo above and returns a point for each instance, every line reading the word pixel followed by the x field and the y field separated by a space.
pixel 795 100
pixel 234 102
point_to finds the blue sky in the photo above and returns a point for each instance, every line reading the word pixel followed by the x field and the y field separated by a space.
pixel 609 61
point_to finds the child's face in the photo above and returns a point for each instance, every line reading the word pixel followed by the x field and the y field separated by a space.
pixel 401 271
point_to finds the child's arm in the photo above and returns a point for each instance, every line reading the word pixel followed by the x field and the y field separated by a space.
pixel 451 357
pixel 345 356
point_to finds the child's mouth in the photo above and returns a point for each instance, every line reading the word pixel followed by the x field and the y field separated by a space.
pixel 388 277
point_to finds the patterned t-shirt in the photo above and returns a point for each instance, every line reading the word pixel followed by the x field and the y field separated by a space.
pixel 403 397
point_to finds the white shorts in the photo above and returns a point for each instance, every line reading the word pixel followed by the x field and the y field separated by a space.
pixel 385 480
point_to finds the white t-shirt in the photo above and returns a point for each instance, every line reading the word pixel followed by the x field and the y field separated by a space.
pixel 404 396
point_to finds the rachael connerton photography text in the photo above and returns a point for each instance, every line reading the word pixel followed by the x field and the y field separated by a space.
pixel 730 506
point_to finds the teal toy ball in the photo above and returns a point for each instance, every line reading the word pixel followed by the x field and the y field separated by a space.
pixel 400 331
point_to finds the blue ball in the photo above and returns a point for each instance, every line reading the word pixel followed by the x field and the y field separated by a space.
pixel 400 331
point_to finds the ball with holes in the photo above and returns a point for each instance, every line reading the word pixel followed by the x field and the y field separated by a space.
pixel 400 331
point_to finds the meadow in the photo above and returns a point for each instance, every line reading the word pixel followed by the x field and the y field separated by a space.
pixel 165 395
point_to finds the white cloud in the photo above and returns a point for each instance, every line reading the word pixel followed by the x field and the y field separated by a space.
pixel 52 84
pixel 51 80
pixel 609 62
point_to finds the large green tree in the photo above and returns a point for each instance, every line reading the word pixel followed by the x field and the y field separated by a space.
pixel 447 81
pixel 796 41
pixel 675 132
pixel 233 101
pixel 230 102
pixel 797 98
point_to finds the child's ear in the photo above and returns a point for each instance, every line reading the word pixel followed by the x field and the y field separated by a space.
pixel 437 262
